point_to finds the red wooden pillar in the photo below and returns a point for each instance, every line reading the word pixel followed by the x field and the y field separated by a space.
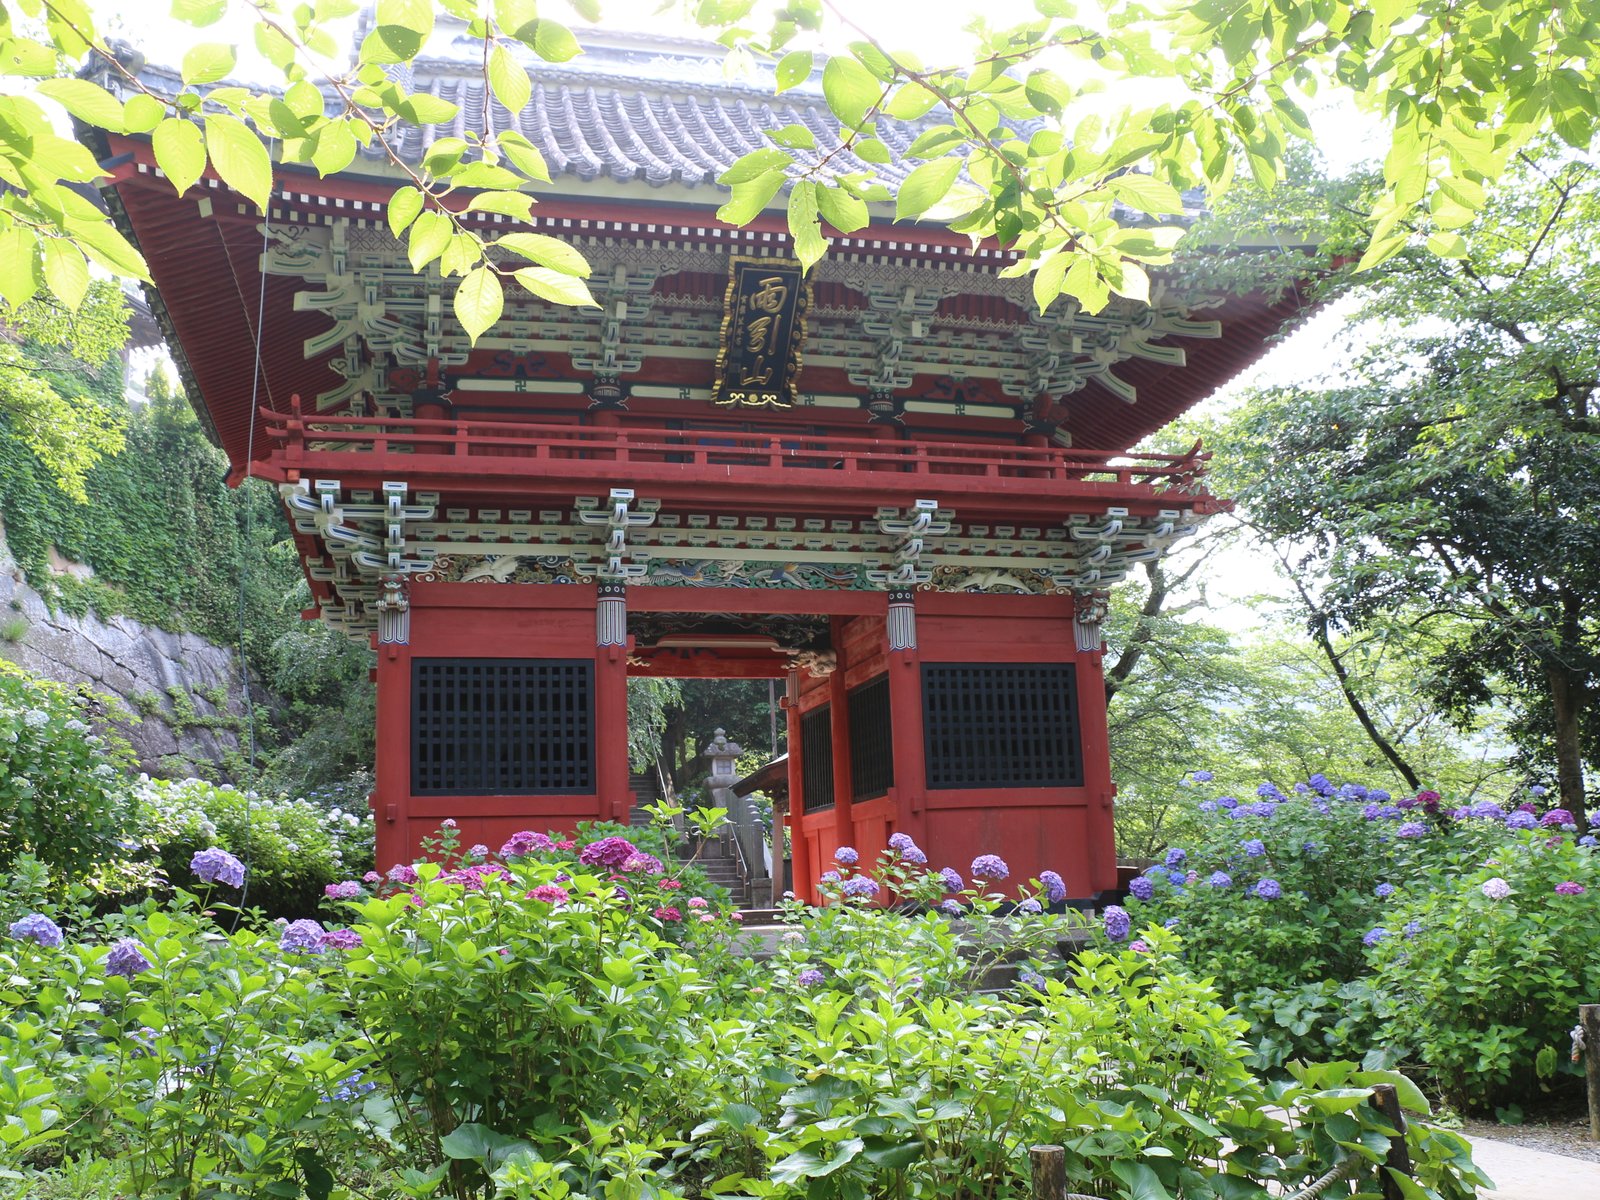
pixel 839 725
pixel 1095 738
pixel 804 876
pixel 611 703
pixel 905 717
pixel 392 785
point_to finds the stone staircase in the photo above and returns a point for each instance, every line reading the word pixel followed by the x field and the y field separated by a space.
pixel 718 859
pixel 646 790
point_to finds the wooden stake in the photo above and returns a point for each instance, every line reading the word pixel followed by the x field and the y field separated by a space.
pixel 1387 1101
pixel 1049 1172
pixel 1589 1018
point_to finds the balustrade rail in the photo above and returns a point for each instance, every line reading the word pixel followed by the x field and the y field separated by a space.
pixel 477 439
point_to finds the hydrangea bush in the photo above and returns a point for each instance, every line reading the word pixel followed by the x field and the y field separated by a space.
pixel 522 1023
pixel 1343 920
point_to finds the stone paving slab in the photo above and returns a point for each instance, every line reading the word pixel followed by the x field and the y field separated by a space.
pixel 1521 1173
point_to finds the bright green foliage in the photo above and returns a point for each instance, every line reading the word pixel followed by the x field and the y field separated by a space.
pixel 293 847
pixel 520 1028
pixel 63 801
pixel 648 702
pixel 1448 478
pixel 1012 148
pixel 1489 1013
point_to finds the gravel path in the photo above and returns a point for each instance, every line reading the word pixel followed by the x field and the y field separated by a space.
pixel 1568 1137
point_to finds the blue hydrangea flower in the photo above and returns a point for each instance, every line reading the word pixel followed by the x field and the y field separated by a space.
pixel 810 977
pixel 1412 829
pixel 1176 856
pixel 1383 891
pixel 1220 880
pixel 1522 820
pixel 914 856
pixel 846 856
pixel 301 937
pixel 1302 788
pixel 1269 791
pixel 1373 936
pixel 1178 878
pixel 1353 791
pixel 1319 783
pixel 1371 812
pixel 861 887
pixel 990 866
pixel 127 958
pixel 216 865
pixel 1055 888
pixel 1487 810
pixel 1201 776
pixel 1208 806
pixel 1227 802
pixel 36 927
pixel 1032 979
pixel 1538 789
pixel 1141 888
pixel 1170 923
pixel 1254 848
pixel 952 879
pixel 831 877
pixel 899 842
pixel 1268 889
pixel 1118 923
pixel 1379 795
pixel 1412 928
pixel 1589 839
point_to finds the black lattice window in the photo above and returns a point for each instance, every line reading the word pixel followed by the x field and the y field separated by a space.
pixel 871 749
pixel 502 726
pixel 1001 725
pixel 816 759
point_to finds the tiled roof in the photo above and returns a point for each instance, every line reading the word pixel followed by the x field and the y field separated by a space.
pixel 641 107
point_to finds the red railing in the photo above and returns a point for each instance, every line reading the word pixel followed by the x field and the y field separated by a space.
pixel 464 439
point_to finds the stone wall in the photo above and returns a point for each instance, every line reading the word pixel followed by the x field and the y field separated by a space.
pixel 168 682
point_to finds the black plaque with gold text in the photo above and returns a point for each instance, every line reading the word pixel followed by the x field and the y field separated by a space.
pixel 763 330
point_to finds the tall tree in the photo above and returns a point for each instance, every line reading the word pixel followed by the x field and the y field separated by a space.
pixel 1451 471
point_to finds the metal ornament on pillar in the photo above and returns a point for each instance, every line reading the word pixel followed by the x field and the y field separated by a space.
pixel 1088 613
pixel 611 615
pixel 394 611
pixel 902 623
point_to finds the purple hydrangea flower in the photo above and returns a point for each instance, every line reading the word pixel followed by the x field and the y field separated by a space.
pixel 1269 791
pixel 1378 794
pixel 1170 923
pixel 302 937
pixel 831 877
pixel 990 866
pixel 1268 889
pixel 1220 880
pixel 1030 906
pixel 1032 979
pixel 403 873
pixel 1227 802
pixel 901 842
pixel 341 939
pixel 640 863
pixel 216 865
pixel 1522 820
pixel 347 889
pixel 952 908
pixel 1055 888
pixel 1496 888
pixel 1373 936
pixel 952 879
pixel 846 856
pixel 1301 788
pixel 914 856
pixel 1589 839
pixel 1412 829
pixel 1371 812
pixel 861 887
pixel 810 977
pixel 526 842
pixel 36 927
pixel 1568 887
pixel 1353 791
pixel 1538 789
pixel 1559 817
pixel 127 958
pixel 1202 776
pixel 1208 806
pixel 1319 784
pixel 1176 856
pixel 1383 891
pixel 607 852
pixel 1118 923
pixel 1254 848
pixel 1141 888
pixel 1412 928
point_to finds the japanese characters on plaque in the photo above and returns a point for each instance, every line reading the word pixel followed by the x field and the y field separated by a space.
pixel 763 330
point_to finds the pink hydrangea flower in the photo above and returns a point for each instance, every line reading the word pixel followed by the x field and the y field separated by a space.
pixel 1139 946
pixel 668 913
pixel 526 842
pixel 697 902
pixel 550 893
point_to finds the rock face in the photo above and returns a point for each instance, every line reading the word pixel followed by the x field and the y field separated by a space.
pixel 167 682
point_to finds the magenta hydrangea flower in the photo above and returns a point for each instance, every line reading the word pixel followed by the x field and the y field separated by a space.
pixel 1569 887
pixel 1117 922
pixel 348 889
pixel 952 879
pixel 403 873
pixel 372 877
pixel 526 842
pixel 341 939
pixel 1055 888
pixel 668 913
pixel 36 927
pixel 550 893
pixel 1559 818
pixel 607 852
pixel 846 856
pixel 216 865
pixel 991 867
pixel 127 958
pixel 1139 946
pixel 640 863
pixel 302 937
